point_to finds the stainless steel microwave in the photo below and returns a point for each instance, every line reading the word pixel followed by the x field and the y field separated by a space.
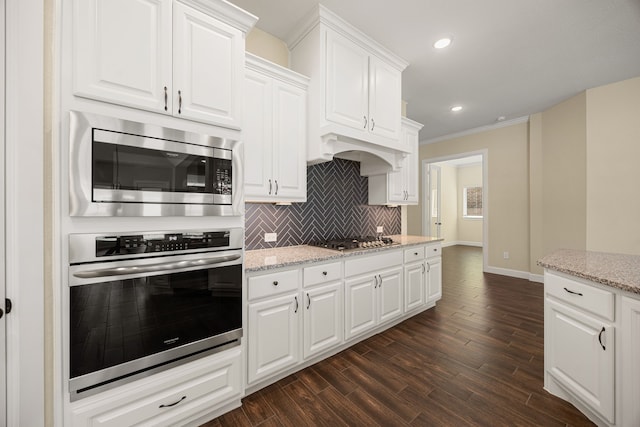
pixel 124 168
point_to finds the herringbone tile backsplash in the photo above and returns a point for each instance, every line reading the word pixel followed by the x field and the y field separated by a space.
pixel 336 207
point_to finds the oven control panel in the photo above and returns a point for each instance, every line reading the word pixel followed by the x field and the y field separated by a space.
pixel 118 245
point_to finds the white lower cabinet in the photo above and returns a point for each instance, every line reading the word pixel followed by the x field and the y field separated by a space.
pixel 630 369
pixel 299 316
pixel 592 348
pixel 373 295
pixel 273 323
pixel 434 279
pixel 322 318
pixel 414 288
pixel 179 396
pixel 581 356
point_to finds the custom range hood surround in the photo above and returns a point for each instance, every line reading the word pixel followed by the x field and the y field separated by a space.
pixel 355 91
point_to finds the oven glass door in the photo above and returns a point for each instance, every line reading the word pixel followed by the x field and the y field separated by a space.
pixel 119 321
pixel 130 168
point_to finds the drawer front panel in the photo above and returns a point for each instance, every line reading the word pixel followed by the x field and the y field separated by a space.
pixel 586 297
pixel 414 254
pixel 166 401
pixel 384 259
pixel 434 250
pixel 273 284
pixel 324 273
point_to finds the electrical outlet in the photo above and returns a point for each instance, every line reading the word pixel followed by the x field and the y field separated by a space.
pixel 379 229
pixel 270 237
pixel 505 255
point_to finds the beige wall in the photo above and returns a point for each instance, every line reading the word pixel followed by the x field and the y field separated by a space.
pixel 508 190
pixel 613 167
pixel 469 230
pixel 561 177
pixel 268 47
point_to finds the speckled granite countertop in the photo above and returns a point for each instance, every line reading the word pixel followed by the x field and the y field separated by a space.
pixel 267 259
pixel 615 270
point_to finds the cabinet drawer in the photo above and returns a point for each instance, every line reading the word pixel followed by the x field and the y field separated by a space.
pixel 369 263
pixel 175 396
pixel 414 254
pixel 586 297
pixel 433 250
pixel 322 274
pixel 272 284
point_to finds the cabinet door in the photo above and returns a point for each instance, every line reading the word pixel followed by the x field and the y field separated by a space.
pixel 395 186
pixel 630 356
pixel 360 305
pixel 123 57
pixel 289 133
pixel 434 279
pixel 580 355
pixel 384 99
pixel 322 319
pixel 273 336
pixel 257 137
pixel 347 82
pixel 414 286
pixel 208 68
pixel 390 293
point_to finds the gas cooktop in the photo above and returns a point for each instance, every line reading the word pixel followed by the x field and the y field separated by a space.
pixel 352 243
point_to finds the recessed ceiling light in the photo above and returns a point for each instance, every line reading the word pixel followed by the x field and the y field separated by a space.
pixel 442 43
pixel 456 108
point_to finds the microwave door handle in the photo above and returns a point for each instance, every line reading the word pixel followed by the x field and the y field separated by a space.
pixel 165 266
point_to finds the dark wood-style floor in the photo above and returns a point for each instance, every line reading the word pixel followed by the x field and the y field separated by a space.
pixel 474 359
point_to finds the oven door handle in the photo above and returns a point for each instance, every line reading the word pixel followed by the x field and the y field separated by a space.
pixel 152 268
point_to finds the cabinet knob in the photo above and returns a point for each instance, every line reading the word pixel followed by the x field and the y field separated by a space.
pixel 324 273
pixel 275 283
pixel 415 253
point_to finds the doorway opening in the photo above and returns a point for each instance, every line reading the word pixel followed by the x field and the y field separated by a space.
pixel 455 192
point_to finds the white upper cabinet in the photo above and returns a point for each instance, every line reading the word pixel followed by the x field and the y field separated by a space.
pixel 274 133
pixel 347 100
pixel 385 89
pixel 355 91
pixel 162 56
pixel 208 64
pixel 400 187
pixel 123 57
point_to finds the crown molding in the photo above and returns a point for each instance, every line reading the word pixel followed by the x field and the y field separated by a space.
pixel 506 123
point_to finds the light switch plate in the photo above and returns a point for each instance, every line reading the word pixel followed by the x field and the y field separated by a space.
pixel 380 229
pixel 270 237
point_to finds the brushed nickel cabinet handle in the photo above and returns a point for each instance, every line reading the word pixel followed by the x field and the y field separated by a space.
pixel 173 404
pixel 179 102
pixel 573 292
pixel 365 121
pixel 600 339
pixel 166 98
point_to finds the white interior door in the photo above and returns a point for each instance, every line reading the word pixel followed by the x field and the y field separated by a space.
pixel 3 340
pixel 434 212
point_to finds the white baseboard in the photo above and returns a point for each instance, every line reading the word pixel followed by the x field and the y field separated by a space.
pixel 536 278
pixel 463 243
pixel 508 272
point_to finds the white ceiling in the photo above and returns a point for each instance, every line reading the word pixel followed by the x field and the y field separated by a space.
pixel 509 58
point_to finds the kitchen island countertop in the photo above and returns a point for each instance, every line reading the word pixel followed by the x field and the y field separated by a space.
pixel 615 270
pixel 286 256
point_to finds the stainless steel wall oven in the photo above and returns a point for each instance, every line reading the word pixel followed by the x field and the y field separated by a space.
pixel 144 302
pixel 124 168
